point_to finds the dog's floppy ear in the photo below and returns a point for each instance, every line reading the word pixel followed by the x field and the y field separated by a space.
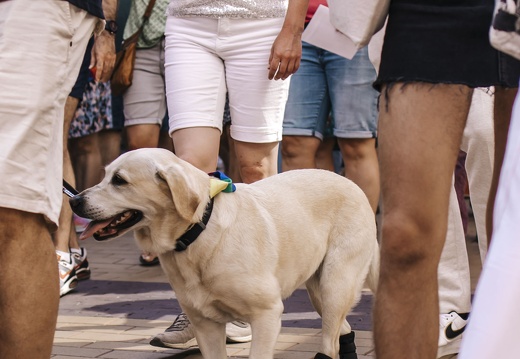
pixel 188 193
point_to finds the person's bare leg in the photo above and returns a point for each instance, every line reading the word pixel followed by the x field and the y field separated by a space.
pixel 29 298
pixel 299 152
pixel 504 99
pixel 109 145
pixel 234 167
pixel 142 136
pixel 256 160
pixel 420 131
pixel 86 161
pixel 63 235
pixel 361 165
pixel 165 141
pixel 324 154
pixel 198 146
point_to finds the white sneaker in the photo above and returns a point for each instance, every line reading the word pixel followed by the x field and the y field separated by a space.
pixel 451 327
pixel 68 278
pixel 81 265
pixel 180 335
pixel 238 332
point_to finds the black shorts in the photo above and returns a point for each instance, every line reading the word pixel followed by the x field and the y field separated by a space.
pixel 444 41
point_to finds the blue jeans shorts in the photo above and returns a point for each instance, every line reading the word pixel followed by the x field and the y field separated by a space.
pixel 326 85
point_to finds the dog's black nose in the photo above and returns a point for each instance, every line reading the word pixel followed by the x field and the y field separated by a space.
pixel 76 202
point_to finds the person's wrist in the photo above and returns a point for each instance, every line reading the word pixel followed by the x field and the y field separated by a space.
pixel 111 27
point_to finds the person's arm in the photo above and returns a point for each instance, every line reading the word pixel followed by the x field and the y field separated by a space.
pixel 287 48
pixel 104 50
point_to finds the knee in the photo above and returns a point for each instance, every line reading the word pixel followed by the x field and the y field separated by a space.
pixel 409 244
pixel 294 146
pixel 358 149
pixel 253 173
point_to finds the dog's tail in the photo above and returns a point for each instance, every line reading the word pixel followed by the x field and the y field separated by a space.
pixel 373 271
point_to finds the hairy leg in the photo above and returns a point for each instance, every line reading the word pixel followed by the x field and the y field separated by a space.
pixel 420 130
pixel 29 298
pixel 361 166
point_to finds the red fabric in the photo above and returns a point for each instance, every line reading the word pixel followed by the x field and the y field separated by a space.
pixel 313 5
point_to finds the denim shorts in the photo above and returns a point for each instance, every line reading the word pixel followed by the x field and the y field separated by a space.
pixel 326 85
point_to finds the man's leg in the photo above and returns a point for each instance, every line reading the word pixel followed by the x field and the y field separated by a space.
pixel 361 165
pixel 29 299
pixel 504 99
pixel 61 236
pixel 420 129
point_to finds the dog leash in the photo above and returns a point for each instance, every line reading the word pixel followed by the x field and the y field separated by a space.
pixel 69 190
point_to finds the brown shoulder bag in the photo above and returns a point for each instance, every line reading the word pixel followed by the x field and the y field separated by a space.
pixel 122 75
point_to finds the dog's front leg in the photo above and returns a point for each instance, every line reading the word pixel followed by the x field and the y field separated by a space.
pixel 211 337
pixel 265 329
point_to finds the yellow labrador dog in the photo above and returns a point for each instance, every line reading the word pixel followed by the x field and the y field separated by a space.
pixel 252 248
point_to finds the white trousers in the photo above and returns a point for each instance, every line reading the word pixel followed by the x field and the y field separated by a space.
pixel 493 329
pixel 42 44
pixel 478 143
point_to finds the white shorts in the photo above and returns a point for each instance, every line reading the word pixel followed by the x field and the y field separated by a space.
pixel 42 44
pixel 205 58
pixel 145 101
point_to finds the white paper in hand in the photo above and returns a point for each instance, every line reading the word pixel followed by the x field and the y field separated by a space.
pixel 321 33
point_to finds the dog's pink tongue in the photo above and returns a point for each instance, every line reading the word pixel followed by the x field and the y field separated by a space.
pixel 93 227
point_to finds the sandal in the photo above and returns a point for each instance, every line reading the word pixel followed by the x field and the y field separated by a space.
pixel 148 259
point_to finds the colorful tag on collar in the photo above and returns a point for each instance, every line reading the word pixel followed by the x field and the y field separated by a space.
pixel 219 182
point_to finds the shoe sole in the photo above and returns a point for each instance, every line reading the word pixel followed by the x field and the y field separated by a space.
pixel 451 348
pixel 83 274
pixel 156 342
pixel 244 339
pixel 68 286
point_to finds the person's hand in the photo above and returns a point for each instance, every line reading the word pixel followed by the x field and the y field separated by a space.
pixel 103 56
pixel 286 53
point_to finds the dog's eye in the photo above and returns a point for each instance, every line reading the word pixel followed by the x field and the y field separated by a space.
pixel 117 180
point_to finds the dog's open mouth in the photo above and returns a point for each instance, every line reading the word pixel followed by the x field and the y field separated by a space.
pixel 112 227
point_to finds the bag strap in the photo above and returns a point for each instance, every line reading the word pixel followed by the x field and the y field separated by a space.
pixel 148 12
pixel 135 36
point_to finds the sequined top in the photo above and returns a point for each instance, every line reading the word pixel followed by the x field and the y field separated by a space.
pixel 244 9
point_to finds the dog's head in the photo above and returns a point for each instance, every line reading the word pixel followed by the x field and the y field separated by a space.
pixel 146 190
